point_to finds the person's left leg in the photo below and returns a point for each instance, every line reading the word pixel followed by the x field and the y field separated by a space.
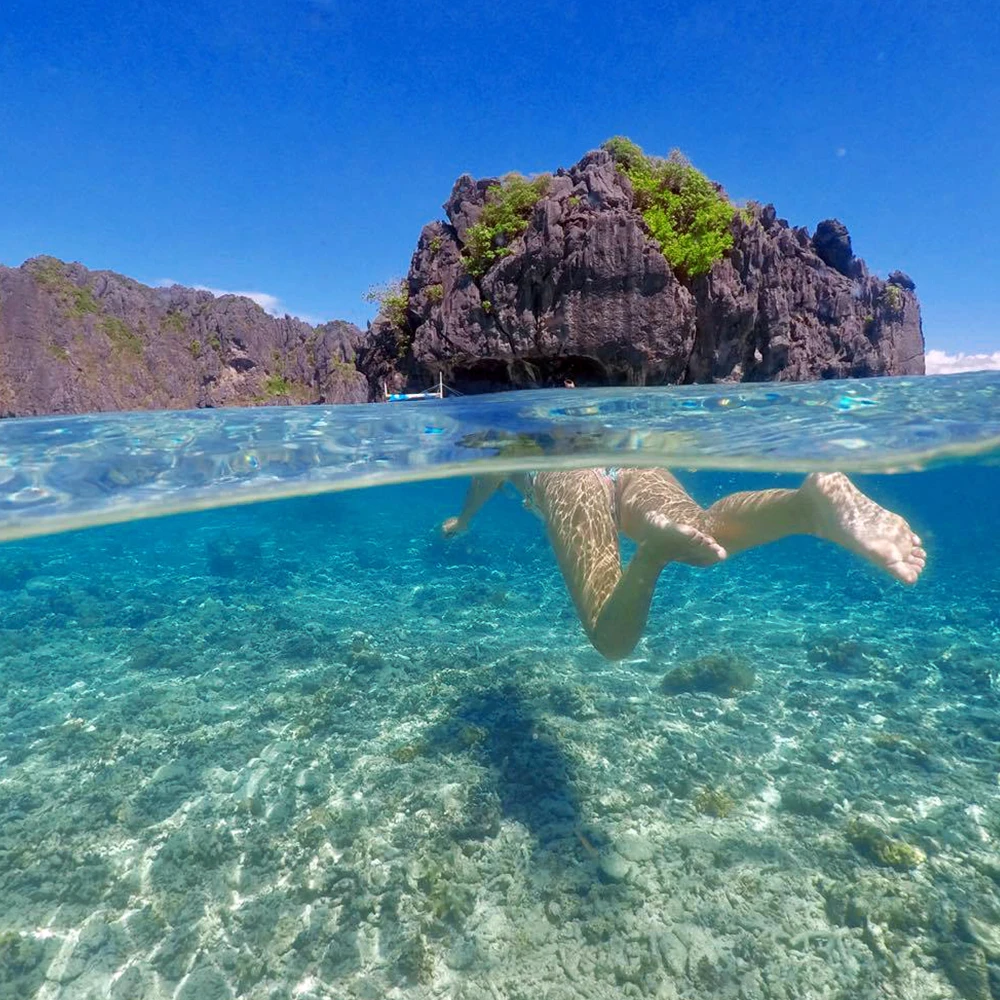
pixel 480 490
pixel 578 508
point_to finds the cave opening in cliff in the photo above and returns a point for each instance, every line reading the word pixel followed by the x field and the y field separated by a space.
pixel 496 375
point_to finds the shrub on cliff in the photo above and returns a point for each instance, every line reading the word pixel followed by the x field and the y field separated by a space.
pixel 685 212
pixel 393 299
pixel 74 300
pixel 504 217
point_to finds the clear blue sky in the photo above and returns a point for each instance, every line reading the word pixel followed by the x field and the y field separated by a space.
pixel 296 147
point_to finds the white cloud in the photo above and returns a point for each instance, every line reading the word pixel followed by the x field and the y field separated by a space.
pixel 268 302
pixel 942 363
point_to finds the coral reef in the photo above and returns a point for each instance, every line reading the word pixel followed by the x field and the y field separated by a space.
pixel 879 847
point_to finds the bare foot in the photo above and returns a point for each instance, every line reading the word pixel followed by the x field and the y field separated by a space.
pixel 453 526
pixel 681 542
pixel 843 514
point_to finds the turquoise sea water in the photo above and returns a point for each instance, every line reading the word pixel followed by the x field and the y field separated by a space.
pixel 310 748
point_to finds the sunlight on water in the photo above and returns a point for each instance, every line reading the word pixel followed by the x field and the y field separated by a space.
pixel 315 749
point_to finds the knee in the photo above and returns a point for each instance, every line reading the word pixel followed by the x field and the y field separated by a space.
pixel 612 648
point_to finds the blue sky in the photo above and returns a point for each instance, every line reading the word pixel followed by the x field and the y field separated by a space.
pixel 294 148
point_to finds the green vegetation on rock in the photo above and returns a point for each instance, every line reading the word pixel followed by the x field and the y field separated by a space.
pixel 277 385
pixel 48 272
pixel 75 301
pixel 504 217
pixel 82 302
pixel 344 369
pixel 123 338
pixel 891 298
pixel 174 321
pixel 685 212
pixel 435 293
pixel 393 299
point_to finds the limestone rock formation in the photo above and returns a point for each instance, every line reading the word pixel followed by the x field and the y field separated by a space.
pixel 73 340
pixel 585 292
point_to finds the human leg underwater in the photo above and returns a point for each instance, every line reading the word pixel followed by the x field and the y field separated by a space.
pixel 584 510
pixel 579 510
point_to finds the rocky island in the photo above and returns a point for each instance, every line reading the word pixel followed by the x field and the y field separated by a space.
pixel 632 270
pixel 625 269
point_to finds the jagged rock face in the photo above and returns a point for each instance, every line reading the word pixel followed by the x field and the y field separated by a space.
pixel 73 341
pixel 832 243
pixel 586 293
pixel 772 309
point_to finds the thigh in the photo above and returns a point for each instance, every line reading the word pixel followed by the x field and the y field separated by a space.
pixel 577 506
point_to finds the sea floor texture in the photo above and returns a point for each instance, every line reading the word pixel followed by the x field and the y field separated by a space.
pixel 311 749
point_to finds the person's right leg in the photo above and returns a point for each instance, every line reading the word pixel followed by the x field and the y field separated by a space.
pixel 654 508
pixel 826 505
pixel 654 505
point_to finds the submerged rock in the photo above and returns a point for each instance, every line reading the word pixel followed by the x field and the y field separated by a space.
pixel 634 847
pixel 21 963
pixel 719 673
pixel 613 867
pixel 845 656
pixel 983 934
pixel 806 802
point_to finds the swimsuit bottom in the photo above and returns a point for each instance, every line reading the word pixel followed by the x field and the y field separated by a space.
pixel 609 478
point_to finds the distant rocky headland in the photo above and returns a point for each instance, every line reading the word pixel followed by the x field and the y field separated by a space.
pixel 622 270
pixel 74 341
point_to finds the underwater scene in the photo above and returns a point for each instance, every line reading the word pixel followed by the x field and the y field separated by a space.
pixel 319 748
